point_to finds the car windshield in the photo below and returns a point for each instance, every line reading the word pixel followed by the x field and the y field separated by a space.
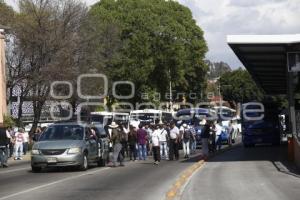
pixel 63 132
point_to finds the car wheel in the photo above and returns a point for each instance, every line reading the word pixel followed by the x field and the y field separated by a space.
pixel 84 165
pixel 36 169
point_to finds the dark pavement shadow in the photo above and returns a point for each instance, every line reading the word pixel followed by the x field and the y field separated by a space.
pixel 277 155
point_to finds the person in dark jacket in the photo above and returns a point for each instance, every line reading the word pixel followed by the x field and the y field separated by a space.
pixel 132 141
pixel 116 139
pixel 4 142
pixel 205 134
pixel 142 142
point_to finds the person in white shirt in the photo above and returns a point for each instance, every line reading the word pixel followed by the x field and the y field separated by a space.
pixel 163 141
pixel 174 142
pixel 19 144
pixel 149 130
pixel 186 137
pixel 155 145
pixel 218 130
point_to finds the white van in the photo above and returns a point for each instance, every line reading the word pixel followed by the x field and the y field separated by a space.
pixel 148 116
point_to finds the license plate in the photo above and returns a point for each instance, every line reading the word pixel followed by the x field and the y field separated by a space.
pixel 51 160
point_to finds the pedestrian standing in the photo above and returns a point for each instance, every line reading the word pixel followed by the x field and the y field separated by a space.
pixel 174 142
pixel 117 146
pixel 37 134
pixel 124 140
pixel 156 146
pixel 230 130
pixel 218 131
pixel 142 142
pixel 186 137
pixel 149 130
pixel 10 134
pixel 108 132
pixel 132 141
pixel 193 142
pixel 163 140
pixel 26 142
pixel 205 134
pixel 4 142
pixel 19 144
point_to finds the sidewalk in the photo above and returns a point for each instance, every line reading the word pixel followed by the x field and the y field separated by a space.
pixel 25 159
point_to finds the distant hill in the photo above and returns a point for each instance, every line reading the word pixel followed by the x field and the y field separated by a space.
pixel 217 69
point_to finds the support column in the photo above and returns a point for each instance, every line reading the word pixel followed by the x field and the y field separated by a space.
pixel 3 106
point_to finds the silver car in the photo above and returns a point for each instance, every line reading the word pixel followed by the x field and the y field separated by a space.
pixel 70 144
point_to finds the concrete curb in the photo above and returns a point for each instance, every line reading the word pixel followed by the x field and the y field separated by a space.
pixel 175 192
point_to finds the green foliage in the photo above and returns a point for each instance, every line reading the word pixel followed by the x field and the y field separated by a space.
pixel 238 86
pixel 160 42
pixel 7 14
pixel 8 121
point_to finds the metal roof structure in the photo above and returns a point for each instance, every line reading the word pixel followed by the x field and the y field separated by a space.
pixel 265 57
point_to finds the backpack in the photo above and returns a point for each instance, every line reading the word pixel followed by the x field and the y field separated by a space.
pixel 186 134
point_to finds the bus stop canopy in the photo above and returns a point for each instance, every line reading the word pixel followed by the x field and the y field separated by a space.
pixel 265 57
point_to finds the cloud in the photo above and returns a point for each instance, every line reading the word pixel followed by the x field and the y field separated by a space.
pixel 221 18
pixel 249 3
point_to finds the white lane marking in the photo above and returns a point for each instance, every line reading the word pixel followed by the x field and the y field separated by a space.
pixel 14 170
pixel 50 184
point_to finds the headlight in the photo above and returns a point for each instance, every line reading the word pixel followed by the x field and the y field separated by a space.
pixel 74 150
pixel 35 152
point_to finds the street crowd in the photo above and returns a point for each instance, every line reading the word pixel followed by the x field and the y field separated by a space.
pixel 14 143
pixel 162 140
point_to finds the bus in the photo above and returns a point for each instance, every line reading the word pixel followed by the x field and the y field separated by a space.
pixel 148 116
pixel 105 117
pixel 260 124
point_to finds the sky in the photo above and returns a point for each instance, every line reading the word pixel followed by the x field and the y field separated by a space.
pixel 219 18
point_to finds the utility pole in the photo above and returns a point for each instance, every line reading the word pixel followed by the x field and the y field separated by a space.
pixel 3 105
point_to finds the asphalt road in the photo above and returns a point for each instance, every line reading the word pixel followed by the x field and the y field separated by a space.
pixel 137 180
pixel 246 174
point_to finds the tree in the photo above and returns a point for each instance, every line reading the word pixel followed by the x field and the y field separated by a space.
pixel 47 32
pixel 160 43
pixel 7 14
pixel 237 86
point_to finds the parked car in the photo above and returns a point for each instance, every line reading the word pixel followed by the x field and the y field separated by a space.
pixel 70 144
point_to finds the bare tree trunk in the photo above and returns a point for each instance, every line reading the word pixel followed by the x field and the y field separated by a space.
pixel 20 112
pixel 37 109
